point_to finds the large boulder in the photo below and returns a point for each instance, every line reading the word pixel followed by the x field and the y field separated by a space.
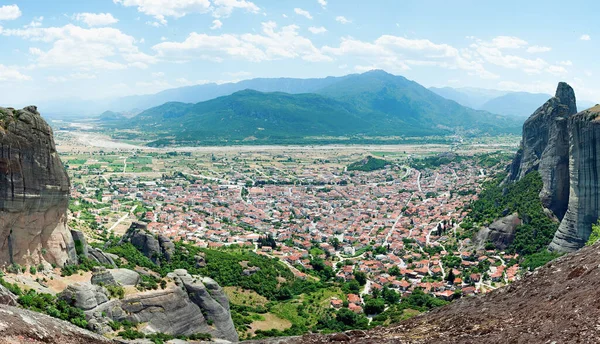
pixel 501 232
pixel 84 296
pixel 34 193
pixel 89 252
pixel 122 277
pixel 150 245
pixel 210 297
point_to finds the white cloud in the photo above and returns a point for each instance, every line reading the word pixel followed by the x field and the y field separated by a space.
pixel 538 49
pixel 556 70
pixel 11 74
pixel 36 22
pixel 158 75
pixel 225 7
pixel 585 38
pixel 493 52
pixel 303 13
pixel 96 19
pixel 323 3
pixel 396 53
pixel 84 49
pixel 271 44
pixel 507 42
pixel 284 15
pixel 9 12
pixel 83 76
pixel 343 20
pixel 532 87
pixel 217 24
pixel 160 9
pixel 566 63
pixel 317 30
pixel 239 74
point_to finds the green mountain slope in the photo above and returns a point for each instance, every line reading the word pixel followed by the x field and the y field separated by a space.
pixel 374 104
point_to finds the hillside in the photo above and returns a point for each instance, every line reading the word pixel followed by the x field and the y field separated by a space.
pixel 558 303
pixel 518 104
pixel 513 104
pixel 374 104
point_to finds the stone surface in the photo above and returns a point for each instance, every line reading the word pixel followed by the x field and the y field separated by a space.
pixel 584 197
pixel 6 297
pixel 34 192
pixel 122 277
pixel 501 232
pixel 22 326
pixel 210 297
pixel 85 296
pixel 545 147
pixel 151 246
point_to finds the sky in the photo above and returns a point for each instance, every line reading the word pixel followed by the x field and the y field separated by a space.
pixel 96 49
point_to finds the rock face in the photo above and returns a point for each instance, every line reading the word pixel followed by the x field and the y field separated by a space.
pixel 151 246
pixel 501 232
pixel 564 147
pixel 545 147
pixel 22 326
pixel 584 198
pixel 6 297
pixel 122 277
pixel 34 192
pixel 183 309
pixel 90 252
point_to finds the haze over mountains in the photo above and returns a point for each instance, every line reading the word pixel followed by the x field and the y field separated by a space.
pixel 370 104
pixel 516 104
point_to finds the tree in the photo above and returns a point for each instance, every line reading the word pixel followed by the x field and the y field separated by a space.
pixel 335 242
pixel 374 306
pixel 394 271
pixel 360 277
pixel 450 277
pixel 595 235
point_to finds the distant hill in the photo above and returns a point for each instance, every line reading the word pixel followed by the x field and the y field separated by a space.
pixel 468 96
pixel 110 116
pixel 368 164
pixel 370 104
pixel 514 104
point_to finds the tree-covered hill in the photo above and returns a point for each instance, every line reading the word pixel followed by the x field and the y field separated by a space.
pixel 373 104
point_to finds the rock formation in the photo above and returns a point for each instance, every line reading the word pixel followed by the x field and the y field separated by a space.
pixel 34 192
pixel 182 309
pixel 118 277
pixel 22 326
pixel 501 232
pixel 91 252
pixel 584 197
pixel 151 246
pixel 6 297
pixel 545 147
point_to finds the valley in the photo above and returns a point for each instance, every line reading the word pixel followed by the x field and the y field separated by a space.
pixel 396 228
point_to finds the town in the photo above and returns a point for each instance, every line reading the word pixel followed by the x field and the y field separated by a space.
pixel 399 226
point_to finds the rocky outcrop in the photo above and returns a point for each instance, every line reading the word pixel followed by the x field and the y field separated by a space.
pixel 193 305
pixel 119 277
pixel 210 297
pixel 545 147
pixel 22 326
pixel 34 192
pixel 151 246
pixel 6 297
pixel 84 296
pixel 584 197
pixel 89 252
pixel 501 232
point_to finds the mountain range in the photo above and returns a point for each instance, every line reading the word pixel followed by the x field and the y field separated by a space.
pixel 372 104
pixel 515 104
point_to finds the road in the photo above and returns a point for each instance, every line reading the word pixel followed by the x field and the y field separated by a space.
pixel 124 165
pixel 397 220
pixel 122 218
pixel 419 182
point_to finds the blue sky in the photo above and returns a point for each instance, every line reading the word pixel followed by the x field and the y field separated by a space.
pixel 105 48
